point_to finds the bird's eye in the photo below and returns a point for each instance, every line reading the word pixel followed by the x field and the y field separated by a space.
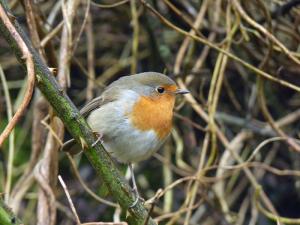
pixel 160 90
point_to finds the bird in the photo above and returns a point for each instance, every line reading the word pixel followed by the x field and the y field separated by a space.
pixel 132 117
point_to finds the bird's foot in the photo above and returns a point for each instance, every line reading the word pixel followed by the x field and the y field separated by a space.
pixel 134 203
pixel 137 197
pixel 134 188
pixel 99 139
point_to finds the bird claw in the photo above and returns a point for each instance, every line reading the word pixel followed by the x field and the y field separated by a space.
pixel 134 189
pixel 136 195
pixel 137 198
pixel 99 139
pixel 135 202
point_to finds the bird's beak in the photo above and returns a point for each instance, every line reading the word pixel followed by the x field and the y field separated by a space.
pixel 181 92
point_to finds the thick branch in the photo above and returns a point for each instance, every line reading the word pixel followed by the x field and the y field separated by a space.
pixel 6 215
pixel 76 125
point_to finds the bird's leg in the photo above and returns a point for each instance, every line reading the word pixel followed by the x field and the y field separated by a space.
pixel 134 187
pixel 99 138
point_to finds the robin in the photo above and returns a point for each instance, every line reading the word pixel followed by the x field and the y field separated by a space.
pixel 133 117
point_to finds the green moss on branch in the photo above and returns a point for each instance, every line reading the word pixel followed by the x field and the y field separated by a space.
pixel 6 215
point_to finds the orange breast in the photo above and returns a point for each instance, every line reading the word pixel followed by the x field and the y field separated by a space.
pixel 154 113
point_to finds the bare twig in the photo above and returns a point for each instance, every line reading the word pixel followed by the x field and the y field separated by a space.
pixel 69 199
pixel 264 31
pixel 30 74
pixel 91 58
pixel 111 5
pixel 11 137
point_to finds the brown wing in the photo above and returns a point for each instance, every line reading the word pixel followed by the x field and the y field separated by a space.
pixel 110 94
pixel 71 146
pixel 107 96
pixel 92 105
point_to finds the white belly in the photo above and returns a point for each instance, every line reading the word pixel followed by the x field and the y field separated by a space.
pixel 132 146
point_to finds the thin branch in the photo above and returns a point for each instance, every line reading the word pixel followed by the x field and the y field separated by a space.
pixel 26 55
pixel 111 5
pixel 11 137
pixel 135 38
pixel 69 199
pixel 264 31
